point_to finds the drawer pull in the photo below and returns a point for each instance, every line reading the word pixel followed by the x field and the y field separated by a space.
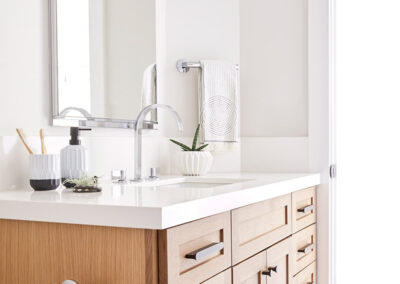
pixel 69 282
pixel 270 270
pixel 207 250
pixel 311 282
pixel 307 248
pixel 306 209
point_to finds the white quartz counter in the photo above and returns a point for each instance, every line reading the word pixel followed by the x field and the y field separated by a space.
pixel 153 205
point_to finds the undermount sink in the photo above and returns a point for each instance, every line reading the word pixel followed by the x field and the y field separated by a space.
pixel 190 182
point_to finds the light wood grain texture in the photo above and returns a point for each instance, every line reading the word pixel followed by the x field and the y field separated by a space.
pixel 222 278
pixel 43 145
pixel 250 270
pixel 300 240
pixel 258 226
pixel 176 242
pixel 22 137
pixel 301 199
pixel 306 276
pixel 278 256
pixel 49 253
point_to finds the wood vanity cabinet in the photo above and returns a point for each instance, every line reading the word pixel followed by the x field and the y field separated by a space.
pixel 269 242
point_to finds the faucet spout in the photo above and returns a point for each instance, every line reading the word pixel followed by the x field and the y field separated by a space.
pixel 138 136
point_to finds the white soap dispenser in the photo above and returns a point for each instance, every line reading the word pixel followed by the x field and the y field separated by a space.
pixel 74 158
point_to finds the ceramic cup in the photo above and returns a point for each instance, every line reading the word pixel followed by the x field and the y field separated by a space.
pixel 44 171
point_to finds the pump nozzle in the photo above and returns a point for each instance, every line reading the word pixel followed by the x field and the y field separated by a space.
pixel 74 132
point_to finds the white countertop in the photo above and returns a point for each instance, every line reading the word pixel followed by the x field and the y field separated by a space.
pixel 150 205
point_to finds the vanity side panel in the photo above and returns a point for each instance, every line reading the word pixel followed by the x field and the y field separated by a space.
pixel 39 252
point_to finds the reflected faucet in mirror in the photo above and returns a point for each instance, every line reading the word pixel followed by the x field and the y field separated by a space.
pixel 82 111
pixel 138 136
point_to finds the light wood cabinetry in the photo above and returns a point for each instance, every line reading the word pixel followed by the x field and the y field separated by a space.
pixel 194 252
pixel 49 253
pixel 250 271
pixel 222 278
pixel 258 226
pixel 270 242
pixel 307 276
pixel 303 208
pixel 278 263
pixel 303 248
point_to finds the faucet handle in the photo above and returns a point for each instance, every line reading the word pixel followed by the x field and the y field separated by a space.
pixel 154 172
pixel 118 176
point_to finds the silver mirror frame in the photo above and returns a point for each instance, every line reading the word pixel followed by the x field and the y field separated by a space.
pixel 59 119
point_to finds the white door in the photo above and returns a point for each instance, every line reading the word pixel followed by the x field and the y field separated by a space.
pixel 367 89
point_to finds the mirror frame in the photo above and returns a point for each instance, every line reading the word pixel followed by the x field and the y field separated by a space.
pixel 62 120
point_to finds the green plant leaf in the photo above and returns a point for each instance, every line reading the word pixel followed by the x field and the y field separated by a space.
pixel 196 136
pixel 183 146
pixel 201 147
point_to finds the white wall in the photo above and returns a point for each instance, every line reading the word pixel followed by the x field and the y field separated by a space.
pixel 273 60
pixel 194 30
pixel 25 94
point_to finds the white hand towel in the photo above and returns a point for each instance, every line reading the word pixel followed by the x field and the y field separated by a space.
pixel 218 104
pixel 149 87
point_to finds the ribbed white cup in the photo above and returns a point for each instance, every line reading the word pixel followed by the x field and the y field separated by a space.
pixel 44 167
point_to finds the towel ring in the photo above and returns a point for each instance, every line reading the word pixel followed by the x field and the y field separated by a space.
pixel 184 66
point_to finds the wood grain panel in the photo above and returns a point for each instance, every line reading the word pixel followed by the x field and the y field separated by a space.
pixel 301 240
pixel 175 243
pixel 49 253
pixel 222 278
pixel 306 276
pixel 278 257
pixel 250 270
pixel 258 226
pixel 301 199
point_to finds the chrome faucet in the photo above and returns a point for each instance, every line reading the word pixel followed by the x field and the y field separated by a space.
pixel 138 136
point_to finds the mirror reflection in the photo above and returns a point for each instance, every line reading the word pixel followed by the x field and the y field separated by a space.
pixel 105 59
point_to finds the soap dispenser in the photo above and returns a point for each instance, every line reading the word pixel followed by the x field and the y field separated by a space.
pixel 74 158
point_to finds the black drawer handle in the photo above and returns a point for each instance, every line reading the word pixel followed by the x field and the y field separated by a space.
pixel 307 248
pixel 270 270
pixel 306 209
pixel 207 250
pixel 311 282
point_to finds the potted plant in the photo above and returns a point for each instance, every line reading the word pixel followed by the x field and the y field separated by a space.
pixel 193 161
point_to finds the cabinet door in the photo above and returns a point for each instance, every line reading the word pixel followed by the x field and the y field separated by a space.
pixel 222 278
pixel 278 265
pixel 49 253
pixel 251 271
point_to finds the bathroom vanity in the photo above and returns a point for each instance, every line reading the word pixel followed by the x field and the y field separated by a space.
pixel 228 228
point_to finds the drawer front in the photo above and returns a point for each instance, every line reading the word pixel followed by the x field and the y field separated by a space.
pixel 307 276
pixel 303 208
pixel 258 226
pixel 251 270
pixel 196 251
pixel 304 249
pixel 222 278
pixel 278 263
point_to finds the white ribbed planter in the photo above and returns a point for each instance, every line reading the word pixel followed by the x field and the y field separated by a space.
pixel 196 163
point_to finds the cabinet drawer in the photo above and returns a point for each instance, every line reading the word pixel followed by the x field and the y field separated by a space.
pixel 222 278
pixel 194 252
pixel 250 271
pixel 307 276
pixel 303 208
pixel 258 226
pixel 303 248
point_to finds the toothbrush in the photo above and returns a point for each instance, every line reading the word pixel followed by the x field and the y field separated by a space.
pixel 44 151
pixel 21 136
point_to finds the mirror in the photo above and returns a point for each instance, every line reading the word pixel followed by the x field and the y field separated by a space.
pixel 103 62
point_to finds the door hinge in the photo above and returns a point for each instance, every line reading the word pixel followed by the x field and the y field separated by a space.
pixel 332 171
